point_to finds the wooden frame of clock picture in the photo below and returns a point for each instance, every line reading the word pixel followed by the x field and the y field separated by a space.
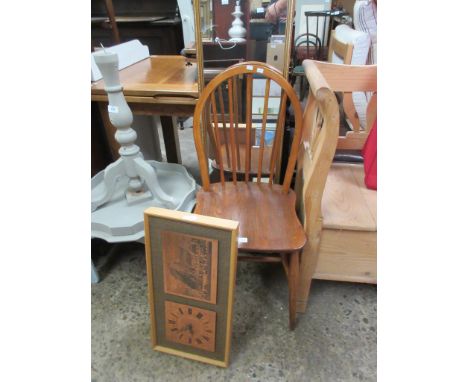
pixel 191 263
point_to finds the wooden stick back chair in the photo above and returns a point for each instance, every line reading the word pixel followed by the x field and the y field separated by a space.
pixel 269 226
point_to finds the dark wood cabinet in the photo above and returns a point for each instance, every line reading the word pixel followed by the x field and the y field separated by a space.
pixel 155 23
pixel 162 36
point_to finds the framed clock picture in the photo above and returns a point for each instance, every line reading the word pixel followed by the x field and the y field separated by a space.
pixel 191 265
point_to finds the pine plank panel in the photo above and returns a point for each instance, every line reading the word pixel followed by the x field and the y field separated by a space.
pixel 369 196
pixel 343 203
pixel 347 256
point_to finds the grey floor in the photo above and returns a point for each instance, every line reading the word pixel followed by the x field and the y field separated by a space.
pixel 335 340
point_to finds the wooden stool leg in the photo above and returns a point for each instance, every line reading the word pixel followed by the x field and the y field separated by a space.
pixel 293 278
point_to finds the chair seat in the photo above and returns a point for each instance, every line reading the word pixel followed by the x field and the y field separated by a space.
pixel 347 203
pixel 267 217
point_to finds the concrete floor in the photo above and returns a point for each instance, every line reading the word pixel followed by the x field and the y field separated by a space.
pixel 335 340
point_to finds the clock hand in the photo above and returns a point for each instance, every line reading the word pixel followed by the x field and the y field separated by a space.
pixel 187 327
pixel 190 329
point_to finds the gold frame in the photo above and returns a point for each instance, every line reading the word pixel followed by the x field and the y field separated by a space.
pixel 205 8
pixel 199 43
pixel 200 221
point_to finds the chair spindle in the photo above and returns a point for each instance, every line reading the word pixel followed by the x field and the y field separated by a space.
pixel 236 119
pixel 262 136
pixel 248 131
pixel 223 118
pixel 278 135
pixel 219 151
pixel 231 131
pixel 208 123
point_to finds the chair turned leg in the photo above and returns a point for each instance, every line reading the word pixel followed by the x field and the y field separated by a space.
pixel 293 278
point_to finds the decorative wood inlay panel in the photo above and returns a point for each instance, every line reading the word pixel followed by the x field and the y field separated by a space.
pixel 190 266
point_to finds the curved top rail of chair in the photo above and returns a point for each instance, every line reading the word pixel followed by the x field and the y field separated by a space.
pixel 249 67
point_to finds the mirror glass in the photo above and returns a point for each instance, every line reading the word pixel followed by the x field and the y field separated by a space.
pixel 234 31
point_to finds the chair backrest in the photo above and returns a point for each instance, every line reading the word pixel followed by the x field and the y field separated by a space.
pixel 341 52
pixel 320 136
pixel 348 79
pixel 342 49
pixel 245 149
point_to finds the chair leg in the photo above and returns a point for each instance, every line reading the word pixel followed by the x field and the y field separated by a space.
pixel 293 278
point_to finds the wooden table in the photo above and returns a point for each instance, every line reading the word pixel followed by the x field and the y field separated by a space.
pixel 159 85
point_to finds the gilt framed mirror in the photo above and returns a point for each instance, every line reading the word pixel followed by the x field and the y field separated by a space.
pixel 228 32
pixel 232 31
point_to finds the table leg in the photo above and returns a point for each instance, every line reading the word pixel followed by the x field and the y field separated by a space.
pixel 171 139
pixel 156 143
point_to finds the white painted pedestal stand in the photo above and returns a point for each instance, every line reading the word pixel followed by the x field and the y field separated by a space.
pixel 121 192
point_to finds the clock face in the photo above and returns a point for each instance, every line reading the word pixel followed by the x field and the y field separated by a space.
pixel 190 326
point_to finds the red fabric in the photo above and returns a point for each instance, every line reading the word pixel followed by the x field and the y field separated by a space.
pixel 369 153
